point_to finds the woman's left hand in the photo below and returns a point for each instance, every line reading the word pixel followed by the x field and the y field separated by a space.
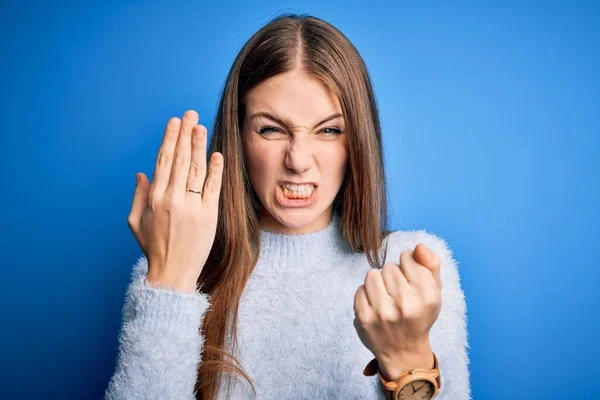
pixel 396 307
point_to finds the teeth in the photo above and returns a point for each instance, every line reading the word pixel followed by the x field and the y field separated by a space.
pixel 299 188
pixel 297 191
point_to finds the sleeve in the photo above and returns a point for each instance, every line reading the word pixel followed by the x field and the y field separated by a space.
pixel 448 334
pixel 160 343
pixel 451 334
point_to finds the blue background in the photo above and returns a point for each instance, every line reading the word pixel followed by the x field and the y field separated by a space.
pixel 490 116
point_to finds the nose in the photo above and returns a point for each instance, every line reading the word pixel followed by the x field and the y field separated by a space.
pixel 299 155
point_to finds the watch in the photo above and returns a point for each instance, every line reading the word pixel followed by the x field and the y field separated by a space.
pixel 414 384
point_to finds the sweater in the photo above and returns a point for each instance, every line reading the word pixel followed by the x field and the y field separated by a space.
pixel 295 329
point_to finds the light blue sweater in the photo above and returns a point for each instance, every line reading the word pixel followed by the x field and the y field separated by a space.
pixel 295 331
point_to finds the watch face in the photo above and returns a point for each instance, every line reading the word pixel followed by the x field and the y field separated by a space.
pixel 417 390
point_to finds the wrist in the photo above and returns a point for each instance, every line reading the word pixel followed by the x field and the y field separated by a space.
pixel 171 283
pixel 393 366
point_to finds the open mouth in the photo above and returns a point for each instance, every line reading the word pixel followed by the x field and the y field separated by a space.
pixel 297 195
pixel 297 191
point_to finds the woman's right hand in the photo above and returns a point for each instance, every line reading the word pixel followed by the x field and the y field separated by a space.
pixel 174 227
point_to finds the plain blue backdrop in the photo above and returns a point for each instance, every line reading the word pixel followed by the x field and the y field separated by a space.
pixel 490 116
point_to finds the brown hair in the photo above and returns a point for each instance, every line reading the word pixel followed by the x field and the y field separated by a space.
pixel 316 47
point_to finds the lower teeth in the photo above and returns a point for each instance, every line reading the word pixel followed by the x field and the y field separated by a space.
pixel 290 195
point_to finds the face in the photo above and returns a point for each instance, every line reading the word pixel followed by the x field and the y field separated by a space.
pixel 295 144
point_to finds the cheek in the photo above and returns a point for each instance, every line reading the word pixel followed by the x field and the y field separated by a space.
pixel 261 164
pixel 336 160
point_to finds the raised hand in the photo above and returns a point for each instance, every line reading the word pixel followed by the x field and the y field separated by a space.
pixel 176 227
pixel 396 307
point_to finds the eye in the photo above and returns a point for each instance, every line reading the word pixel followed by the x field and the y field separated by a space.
pixel 329 131
pixel 268 129
pixel 332 131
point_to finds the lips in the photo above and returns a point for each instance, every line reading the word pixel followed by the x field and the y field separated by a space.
pixel 300 202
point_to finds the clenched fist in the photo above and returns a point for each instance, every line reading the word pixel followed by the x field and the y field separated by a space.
pixel 396 307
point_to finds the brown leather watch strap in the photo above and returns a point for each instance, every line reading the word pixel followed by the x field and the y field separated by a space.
pixel 371 369
pixel 392 388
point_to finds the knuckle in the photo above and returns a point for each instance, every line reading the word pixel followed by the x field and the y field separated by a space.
pixel 385 315
pixel 365 317
pixel 174 204
pixel 132 223
pixel 195 170
pixel 151 198
pixel 409 310
pixel 360 316
pixel 431 298
pixel 180 160
pixel 154 205
pixel 388 267
pixel 164 159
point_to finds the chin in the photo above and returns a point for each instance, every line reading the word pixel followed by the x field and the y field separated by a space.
pixel 293 221
pixel 295 218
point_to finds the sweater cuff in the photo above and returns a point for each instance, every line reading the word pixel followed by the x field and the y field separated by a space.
pixel 165 310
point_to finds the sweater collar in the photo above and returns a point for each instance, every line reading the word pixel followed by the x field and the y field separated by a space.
pixel 306 247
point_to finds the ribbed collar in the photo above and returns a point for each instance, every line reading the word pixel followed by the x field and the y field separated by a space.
pixel 282 248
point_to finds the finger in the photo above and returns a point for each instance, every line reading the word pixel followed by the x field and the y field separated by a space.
pixel 140 199
pixel 361 302
pixel 164 160
pixel 212 186
pixel 394 280
pixel 197 173
pixel 183 154
pixel 375 289
pixel 410 268
pixel 429 259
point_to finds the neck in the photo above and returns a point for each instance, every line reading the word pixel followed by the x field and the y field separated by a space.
pixel 269 223
pixel 303 247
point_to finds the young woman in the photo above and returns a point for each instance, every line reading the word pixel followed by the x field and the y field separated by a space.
pixel 273 274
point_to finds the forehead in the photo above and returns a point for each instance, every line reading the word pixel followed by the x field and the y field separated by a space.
pixel 293 96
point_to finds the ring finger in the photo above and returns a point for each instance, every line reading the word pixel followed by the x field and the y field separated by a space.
pixel 197 173
pixel 183 151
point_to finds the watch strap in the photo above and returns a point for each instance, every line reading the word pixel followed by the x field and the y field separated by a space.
pixel 392 388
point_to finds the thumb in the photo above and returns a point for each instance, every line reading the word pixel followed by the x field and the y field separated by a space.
pixel 429 260
pixel 140 199
pixel 426 257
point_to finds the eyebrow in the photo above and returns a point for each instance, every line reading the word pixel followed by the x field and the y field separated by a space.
pixel 281 122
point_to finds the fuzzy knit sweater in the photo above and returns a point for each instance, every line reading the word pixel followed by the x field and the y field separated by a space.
pixel 295 329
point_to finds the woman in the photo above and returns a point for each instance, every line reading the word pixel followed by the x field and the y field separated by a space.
pixel 276 265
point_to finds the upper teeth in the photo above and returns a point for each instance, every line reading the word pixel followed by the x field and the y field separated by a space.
pixel 298 188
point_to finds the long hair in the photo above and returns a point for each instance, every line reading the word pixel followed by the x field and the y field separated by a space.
pixel 287 42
